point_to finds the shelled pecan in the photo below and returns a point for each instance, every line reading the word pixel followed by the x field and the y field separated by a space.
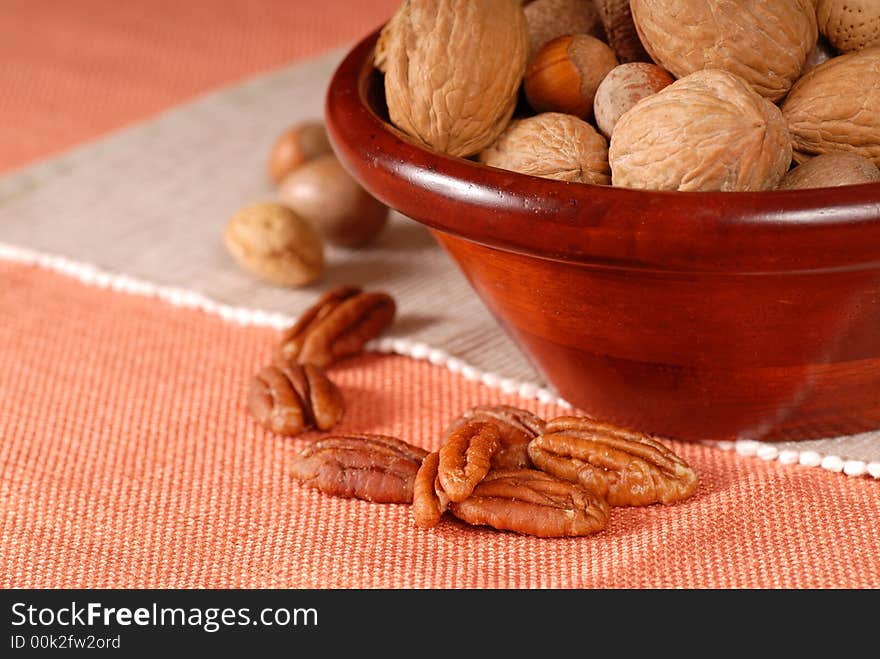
pixel 372 467
pixel 532 502
pixel 338 325
pixel 626 467
pixel 290 398
pixel 465 458
pixel 516 427
pixel 429 499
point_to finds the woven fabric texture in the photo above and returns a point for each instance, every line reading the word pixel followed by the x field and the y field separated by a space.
pixel 74 70
pixel 129 459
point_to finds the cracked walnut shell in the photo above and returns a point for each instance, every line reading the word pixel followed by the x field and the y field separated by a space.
pixel 707 131
pixel 836 107
pixel 765 43
pixel 552 145
pixel 453 70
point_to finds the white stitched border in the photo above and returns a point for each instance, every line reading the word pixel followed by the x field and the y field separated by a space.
pixel 179 297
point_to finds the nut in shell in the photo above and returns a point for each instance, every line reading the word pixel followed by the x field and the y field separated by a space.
pixel 850 25
pixel 836 107
pixel 297 146
pixel 548 19
pixel 552 145
pixel 707 131
pixel 274 243
pixel 453 70
pixel 620 30
pixel 622 88
pixel 766 44
pixel 831 170
pixel 325 194
pixel 564 74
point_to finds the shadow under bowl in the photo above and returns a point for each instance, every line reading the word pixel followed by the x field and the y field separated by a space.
pixel 701 315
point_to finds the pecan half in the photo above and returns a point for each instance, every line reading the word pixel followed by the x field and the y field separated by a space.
pixel 465 458
pixel 532 502
pixel 626 467
pixel 429 499
pixel 291 398
pixel 517 428
pixel 338 325
pixel 371 467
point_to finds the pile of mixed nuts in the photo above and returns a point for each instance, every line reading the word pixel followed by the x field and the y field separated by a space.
pixel 498 466
pixel 692 94
pixel 319 202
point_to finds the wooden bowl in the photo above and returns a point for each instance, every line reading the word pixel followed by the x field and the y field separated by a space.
pixel 693 315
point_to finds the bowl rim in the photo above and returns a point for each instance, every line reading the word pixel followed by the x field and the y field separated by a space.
pixel 712 231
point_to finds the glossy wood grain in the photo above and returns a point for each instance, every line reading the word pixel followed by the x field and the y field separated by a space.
pixel 696 315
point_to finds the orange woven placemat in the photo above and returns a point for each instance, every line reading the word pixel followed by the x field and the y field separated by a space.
pixel 129 459
pixel 74 70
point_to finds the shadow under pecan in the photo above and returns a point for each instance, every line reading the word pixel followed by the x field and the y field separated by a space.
pixel 338 325
pixel 516 427
pixel 375 468
pixel 291 398
pixel 532 502
pixel 465 458
pixel 626 467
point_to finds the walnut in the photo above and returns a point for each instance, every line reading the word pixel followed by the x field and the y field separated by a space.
pixel 453 70
pixel 831 170
pixel 850 24
pixel 552 145
pixel 836 107
pixel 766 43
pixel 707 131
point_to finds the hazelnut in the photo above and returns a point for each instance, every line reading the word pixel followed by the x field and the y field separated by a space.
pixel 552 145
pixel 831 170
pixel 548 19
pixel 274 243
pixel 324 193
pixel 565 73
pixel 296 146
pixel 625 86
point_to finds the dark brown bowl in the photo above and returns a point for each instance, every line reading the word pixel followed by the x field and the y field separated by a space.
pixel 694 315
